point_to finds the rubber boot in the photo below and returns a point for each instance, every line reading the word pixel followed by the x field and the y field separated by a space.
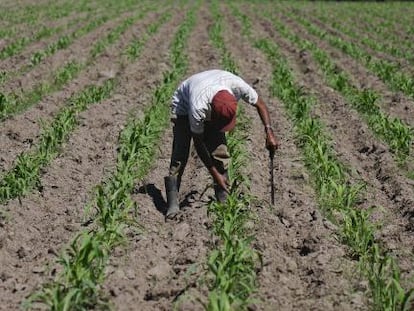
pixel 172 196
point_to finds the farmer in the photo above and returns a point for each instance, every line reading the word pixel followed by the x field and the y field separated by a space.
pixel 204 108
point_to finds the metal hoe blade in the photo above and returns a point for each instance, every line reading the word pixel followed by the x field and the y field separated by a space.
pixel 272 184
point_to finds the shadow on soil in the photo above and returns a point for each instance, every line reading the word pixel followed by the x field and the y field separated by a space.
pixel 156 196
pixel 159 201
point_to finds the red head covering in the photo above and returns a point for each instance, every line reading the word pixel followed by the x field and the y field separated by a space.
pixel 224 108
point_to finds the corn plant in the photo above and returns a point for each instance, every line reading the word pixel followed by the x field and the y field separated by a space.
pixel 18 45
pixel 335 191
pixel 13 48
pixel 13 103
pixel 134 48
pixel 393 131
pixel 84 261
pixel 26 172
pixel 3 76
pixel 389 72
pixel 232 266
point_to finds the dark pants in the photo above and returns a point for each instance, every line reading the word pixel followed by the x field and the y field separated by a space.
pixel 215 142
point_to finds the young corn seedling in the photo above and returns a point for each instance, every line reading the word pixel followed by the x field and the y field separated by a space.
pixel 389 72
pixel 44 32
pixel 393 131
pixel 134 49
pixel 64 74
pixel 333 188
pixel 13 48
pixel 77 288
pixel 233 265
pixel 25 174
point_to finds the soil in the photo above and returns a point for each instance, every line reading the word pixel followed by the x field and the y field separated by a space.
pixel 41 224
pixel 21 28
pixel 23 31
pixel 298 243
pixel 404 65
pixel 163 264
pixel 393 103
pixel 19 133
pixel 388 188
pixel 169 255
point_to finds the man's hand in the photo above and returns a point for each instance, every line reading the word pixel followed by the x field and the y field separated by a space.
pixel 205 157
pixel 220 179
pixel 272 144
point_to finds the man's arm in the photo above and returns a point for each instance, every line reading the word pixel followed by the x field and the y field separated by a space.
pixel 271 142
pixel 205 157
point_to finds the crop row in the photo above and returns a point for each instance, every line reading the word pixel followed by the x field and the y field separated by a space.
pixel 63 42
pixel 25 173
pixel 383 19
pixel 16 46
pixel 388 71
pixel 13 103
pixel 24 176
pixel 388 18
pixel 401 49
pixel 385 30
pixel 393 131
pixel 31 13
pixel 13 19
pixel 233 264
pixel 337 195
pixel 86 257
pixel 17 20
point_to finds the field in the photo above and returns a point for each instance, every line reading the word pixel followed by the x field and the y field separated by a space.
pixel 85 143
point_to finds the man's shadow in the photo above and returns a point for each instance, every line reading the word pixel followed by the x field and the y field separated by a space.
pixel 159 201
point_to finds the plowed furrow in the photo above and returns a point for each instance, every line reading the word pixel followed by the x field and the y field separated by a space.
pixel 393 103
pixel 34 42
pixel 78 52
pixel 302 260
pixel 404 63
pixel 355 145
pixel 161 266
pixel 45 221
pixel 20 132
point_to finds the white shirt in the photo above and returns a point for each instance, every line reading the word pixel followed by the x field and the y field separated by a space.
pixel 194 95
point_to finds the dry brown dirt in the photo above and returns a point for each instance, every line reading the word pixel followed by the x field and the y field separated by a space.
pixel 20 132
pixel 163 265
pixel 40 224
